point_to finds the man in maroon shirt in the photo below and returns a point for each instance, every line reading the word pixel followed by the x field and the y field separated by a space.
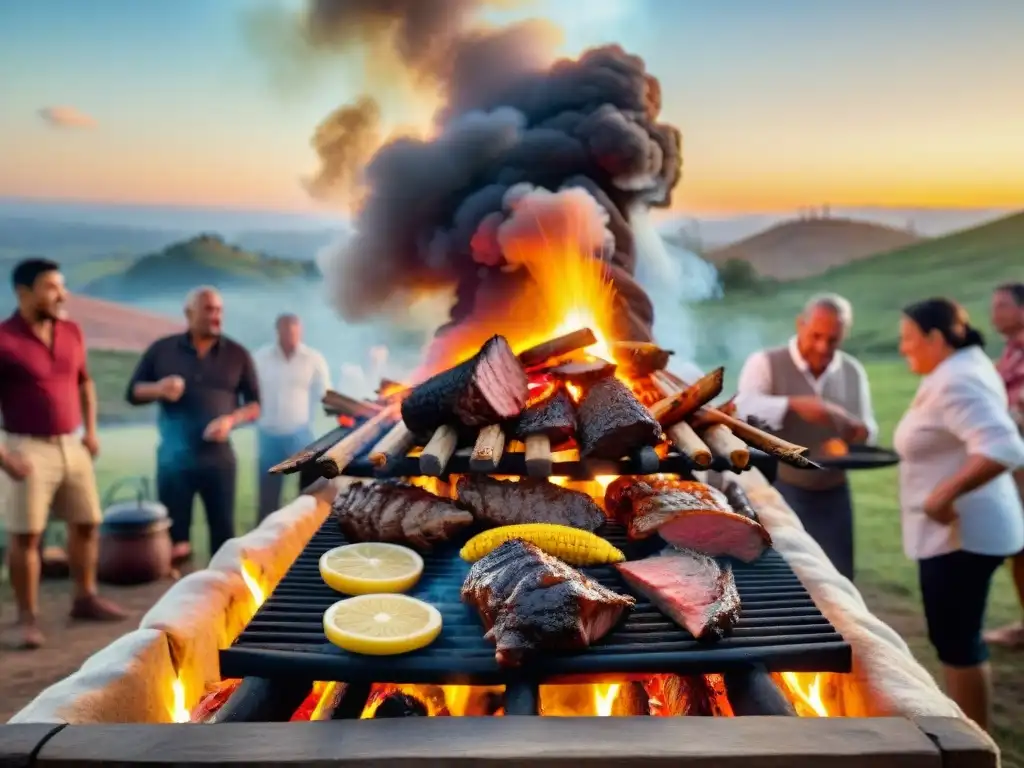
pixel 1008 319
pixel 45 394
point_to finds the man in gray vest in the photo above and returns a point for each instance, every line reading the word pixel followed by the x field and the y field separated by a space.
pixel 808 392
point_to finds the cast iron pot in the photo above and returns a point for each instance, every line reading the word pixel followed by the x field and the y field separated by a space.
pixel 135 539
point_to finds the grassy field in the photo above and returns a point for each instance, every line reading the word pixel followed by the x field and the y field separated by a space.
pixel 964 266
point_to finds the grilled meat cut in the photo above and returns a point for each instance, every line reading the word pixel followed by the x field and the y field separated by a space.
pixel 554 417
pixel 612 422
pixel 686 514
pixel 530 601
pixel 398 514
pixel 690 588
pixel 529 500
pixel 489 388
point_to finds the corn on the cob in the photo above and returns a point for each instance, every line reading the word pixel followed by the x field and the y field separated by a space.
pixel 574 546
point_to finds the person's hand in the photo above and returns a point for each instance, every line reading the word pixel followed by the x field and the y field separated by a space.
pixel 852 429
pixel 91 441
pixel 218 430
pixel 171 388
pixel 939 506
pixel 16 466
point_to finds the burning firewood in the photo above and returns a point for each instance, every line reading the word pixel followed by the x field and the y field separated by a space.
pixel 639 358
pixel 338 456
pixel 557 347
pixel 490 444
pixel 784 451
pixel 676 407
pixel 337 404
pixel 723 442
pixel 438 451
pixel 394 445
pixel 613 423
pixel 583 372
pixel 489 388
pixel 310 453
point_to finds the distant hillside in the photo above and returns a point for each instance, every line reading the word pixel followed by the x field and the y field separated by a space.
pixel 205 259
pixel 964 266
pixel 807 247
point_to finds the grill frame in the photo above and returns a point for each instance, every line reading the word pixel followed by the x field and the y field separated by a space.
pixel 285 638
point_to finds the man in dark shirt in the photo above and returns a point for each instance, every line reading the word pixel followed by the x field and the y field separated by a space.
pixel 206 386
pixel 45 395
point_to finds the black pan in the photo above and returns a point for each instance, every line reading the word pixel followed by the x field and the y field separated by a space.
pixel 860 457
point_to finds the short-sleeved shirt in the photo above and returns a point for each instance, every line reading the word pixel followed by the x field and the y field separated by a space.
pixel 40 384
pixel 216 384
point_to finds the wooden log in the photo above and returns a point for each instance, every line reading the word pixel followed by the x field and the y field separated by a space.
pixel 583 372
pixel 783 450
pixel 639 358
pixel 557 347
pixel 490 443
pixel 311 452
pixel 336 458
pixel 491 742
pixel 689 444
pixel 723 442
pixel 395 444
pixel 677 406
pixel 336 403
pixel 438 451
pixel 751 692
pixel 539 462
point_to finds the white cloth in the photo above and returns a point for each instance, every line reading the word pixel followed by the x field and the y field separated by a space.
pixel 960 410
pixel 754 388
pixel 290 387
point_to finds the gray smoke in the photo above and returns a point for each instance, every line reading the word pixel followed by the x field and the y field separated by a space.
pixel 510 116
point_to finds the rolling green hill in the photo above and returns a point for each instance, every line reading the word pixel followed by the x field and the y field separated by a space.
pixel 205 259
pixel 965 266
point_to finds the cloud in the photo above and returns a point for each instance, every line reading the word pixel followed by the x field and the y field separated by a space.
pixel 67 117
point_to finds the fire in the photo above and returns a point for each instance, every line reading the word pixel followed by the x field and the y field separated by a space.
pixel 179 710
pixel 805 689
pixel 257 592
pixel 441 700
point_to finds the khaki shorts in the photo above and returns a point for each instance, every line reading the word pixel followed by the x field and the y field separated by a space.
pixel 62 481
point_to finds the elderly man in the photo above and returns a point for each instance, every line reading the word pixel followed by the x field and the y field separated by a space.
pixel 1008 319
pixel 206 386
pixel 46 398
pixel 293 379
pixel 810 391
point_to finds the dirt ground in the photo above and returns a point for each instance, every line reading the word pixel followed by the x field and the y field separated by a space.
pixel 23 674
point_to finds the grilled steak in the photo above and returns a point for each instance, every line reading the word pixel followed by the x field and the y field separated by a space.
pixel 489 388
pixel 692 589
pixel 612 422
pixel 554 417
pixel 686 514
pixel 530 601
pixel 530 500
pixel 399 514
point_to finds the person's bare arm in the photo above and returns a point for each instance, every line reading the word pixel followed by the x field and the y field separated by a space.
pixel 90 405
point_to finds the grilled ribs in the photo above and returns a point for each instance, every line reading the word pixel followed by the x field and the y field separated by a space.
pixel 530 500
pixel 399 514
pixel 530 601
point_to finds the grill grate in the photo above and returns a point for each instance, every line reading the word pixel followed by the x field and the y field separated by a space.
pixel 779 628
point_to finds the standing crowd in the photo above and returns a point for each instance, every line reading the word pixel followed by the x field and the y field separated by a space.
pixel 205 386
pixel 961 453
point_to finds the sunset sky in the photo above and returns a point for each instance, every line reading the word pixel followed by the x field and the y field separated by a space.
pixel 781 102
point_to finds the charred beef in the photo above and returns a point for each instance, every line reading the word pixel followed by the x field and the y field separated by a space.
pixel 554 417
pixel 612 422
pixel 489 388
pixel 686 514
pixel 530 601
pixel 692 589
pixel 398 514
pixel 529 500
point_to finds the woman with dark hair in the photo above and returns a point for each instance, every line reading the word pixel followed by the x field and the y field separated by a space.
pixel 961 513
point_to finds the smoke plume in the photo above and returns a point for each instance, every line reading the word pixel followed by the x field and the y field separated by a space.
pixel 517 135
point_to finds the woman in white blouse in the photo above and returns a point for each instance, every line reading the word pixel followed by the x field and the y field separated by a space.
pixel 961 512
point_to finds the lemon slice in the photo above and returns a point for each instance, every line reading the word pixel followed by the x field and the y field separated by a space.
pixel 370 568
pixel 382 625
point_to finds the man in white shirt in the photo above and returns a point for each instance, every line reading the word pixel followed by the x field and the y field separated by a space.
pixel 809 392
pixel 293 378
